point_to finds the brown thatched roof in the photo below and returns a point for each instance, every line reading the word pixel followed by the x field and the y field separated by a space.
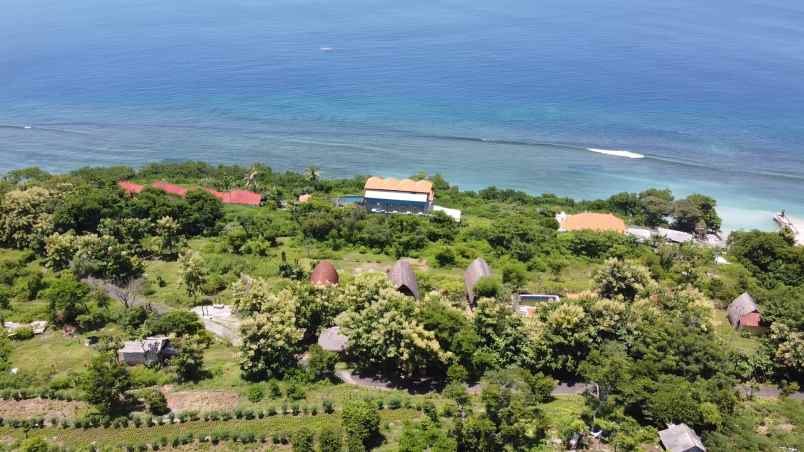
pixel 476 270
pixel 404 278
pixel 324 274
pixel 742 305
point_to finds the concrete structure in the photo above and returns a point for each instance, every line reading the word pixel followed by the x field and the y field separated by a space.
pixel 455 214
pixel 37 326
pixel 404 278
pixel 324 274
pixel 146 351
pixel 641 234
pixel 219 320
pixel 590 221
pixel 332 340
pixel 398 196
pixel 674 236
pixel 796 227
pixel 474 272
pixel 681 438
pixel 743 312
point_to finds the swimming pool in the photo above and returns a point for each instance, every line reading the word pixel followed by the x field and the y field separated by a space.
pixel 349 200
pixel 535 299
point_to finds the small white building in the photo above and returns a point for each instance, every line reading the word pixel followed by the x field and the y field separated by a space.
pixel 681 438
pixel 455 214
pixel 145 351
pixel 674 236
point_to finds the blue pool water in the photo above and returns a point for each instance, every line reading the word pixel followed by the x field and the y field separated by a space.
pixel 515 93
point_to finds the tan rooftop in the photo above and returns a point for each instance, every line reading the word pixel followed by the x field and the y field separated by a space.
pixel 406 185
pixel 589 221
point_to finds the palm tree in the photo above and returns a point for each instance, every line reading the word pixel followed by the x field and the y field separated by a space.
pixel 249 179
pixel 312 173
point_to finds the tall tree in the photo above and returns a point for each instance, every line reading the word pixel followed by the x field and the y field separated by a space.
pixel 193 275
pixel 106 383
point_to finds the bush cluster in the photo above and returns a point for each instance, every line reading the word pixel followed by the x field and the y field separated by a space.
pixel 47 394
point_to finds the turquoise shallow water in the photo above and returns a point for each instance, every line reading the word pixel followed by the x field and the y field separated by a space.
pixel 511 93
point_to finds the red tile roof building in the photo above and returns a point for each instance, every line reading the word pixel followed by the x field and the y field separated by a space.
pixel 130 187
pixel 241 197
pixel 170 188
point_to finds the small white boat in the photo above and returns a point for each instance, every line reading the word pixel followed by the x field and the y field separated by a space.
pixel 327 49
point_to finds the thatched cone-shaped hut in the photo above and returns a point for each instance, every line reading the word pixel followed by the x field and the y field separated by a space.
pixel 324 274
pixel 477 269
pixel 404 278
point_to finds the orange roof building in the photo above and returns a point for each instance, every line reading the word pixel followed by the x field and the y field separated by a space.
pixel 590 221
pixel 398 196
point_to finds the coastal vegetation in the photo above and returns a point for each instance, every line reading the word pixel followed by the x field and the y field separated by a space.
pixel 641 323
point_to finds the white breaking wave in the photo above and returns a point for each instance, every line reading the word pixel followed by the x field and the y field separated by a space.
pixel 626 154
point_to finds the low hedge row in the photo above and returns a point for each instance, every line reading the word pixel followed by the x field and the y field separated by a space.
pixel 48 394
pixel 137 421
pixel 214 439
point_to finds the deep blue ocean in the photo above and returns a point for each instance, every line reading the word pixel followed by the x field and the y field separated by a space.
pixel 512 93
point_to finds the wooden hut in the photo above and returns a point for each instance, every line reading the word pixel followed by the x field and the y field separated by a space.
pixel 404 278
pixel 324 274
pixel 477 269
pixel 743 312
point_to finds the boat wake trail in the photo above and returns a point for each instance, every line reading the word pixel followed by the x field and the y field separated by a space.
pixel 617 153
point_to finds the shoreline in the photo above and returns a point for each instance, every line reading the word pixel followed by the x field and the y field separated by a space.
pixel 734 218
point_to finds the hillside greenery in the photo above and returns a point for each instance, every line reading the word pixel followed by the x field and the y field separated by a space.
pixel 644 322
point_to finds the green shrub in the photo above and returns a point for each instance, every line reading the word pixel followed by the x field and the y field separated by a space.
pixel 487 287
pixel 321 364
pixel 330 439
pixel 156 401
pixel 362 423
pixel 144 377
pixel 303 440
pixel 255 393
pixel 328 406
pixel 23 333
pixel 295 391
pixel 274 390
pixel 395 403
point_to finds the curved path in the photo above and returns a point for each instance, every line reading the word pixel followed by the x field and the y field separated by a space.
pixel 561 389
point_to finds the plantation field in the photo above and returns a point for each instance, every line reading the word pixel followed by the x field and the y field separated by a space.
pixel 560 413
pixel 282 425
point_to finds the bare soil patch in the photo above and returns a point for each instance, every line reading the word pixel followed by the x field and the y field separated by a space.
pixel 48 409
pixel 201 401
